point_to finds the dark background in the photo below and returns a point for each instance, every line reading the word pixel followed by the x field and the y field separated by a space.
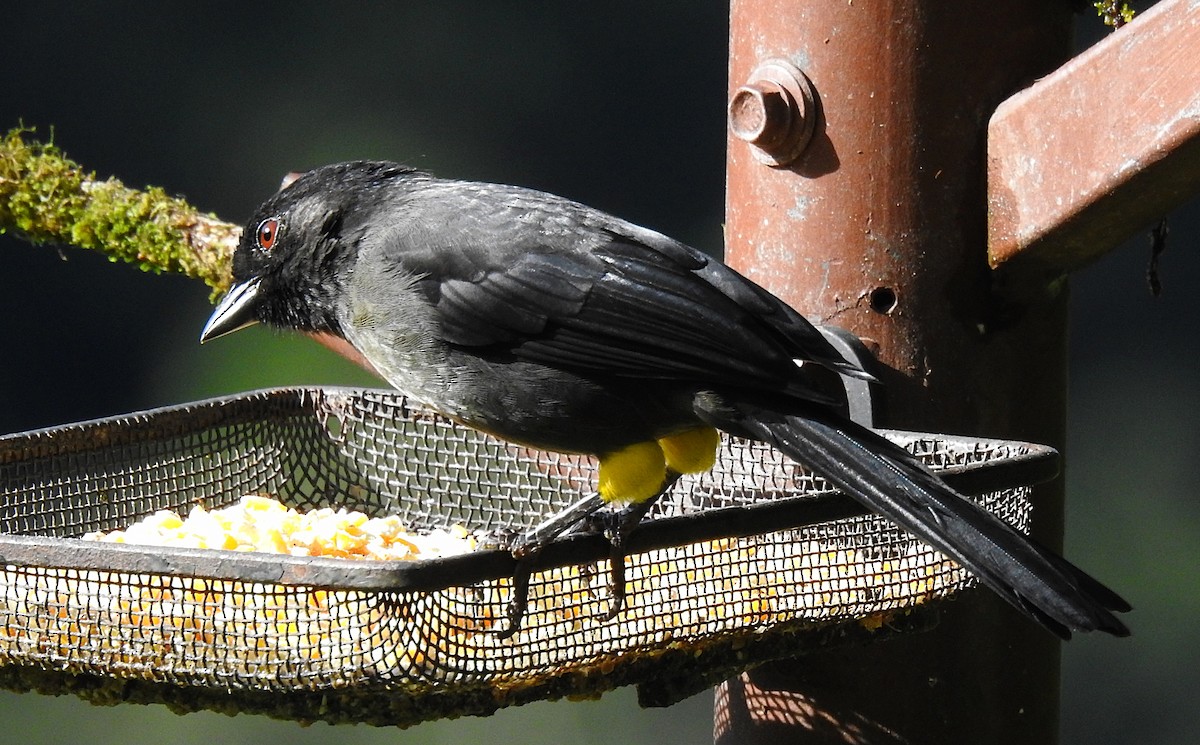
pixel 620 106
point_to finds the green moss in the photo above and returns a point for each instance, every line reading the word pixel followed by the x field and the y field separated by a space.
pixel 1114 12
pixel 47 198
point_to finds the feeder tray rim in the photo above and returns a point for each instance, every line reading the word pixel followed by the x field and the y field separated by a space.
pixel 1030 464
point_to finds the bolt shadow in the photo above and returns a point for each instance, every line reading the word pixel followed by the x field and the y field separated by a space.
pixel 820 157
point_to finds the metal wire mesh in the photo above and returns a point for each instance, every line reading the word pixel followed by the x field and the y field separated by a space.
pixel 394 643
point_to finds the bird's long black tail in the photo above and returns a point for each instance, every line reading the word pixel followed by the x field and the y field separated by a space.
pixel 891 482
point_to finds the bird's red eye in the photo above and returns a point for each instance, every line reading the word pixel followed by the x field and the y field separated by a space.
pixel 268 232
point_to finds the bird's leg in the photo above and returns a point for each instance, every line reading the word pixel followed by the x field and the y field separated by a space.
pixel 622 525
pixel 519 602
pixel 525 548
pixel 552 527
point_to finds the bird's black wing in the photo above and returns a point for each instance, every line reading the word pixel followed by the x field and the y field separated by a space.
pixel 551 281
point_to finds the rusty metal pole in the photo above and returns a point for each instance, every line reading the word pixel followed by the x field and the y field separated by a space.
pixel 878 224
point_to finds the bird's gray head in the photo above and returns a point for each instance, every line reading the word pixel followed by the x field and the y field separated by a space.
pixel 295 251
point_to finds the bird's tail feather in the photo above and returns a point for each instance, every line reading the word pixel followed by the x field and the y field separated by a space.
pixel 891 482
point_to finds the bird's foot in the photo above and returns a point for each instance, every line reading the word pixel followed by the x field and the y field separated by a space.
pixel 580 516
pixel 518 603
pixel 526 546
pixel 570 518
pixel 620 525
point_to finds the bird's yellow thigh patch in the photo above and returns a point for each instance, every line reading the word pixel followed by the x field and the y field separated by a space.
pixel 632 474
pixel 693 451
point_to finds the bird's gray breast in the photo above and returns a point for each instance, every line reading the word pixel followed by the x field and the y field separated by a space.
pixel 385 316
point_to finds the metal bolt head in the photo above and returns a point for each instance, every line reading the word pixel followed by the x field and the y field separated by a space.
pixel 775 112
pixel 761 114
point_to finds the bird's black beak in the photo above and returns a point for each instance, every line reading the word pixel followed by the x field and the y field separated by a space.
pixel 234 312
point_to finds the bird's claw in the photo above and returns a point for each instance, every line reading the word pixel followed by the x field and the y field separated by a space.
pixel 525 547
pixel 616 578
pixel 518 604
pixel 620 525
pixel 616 527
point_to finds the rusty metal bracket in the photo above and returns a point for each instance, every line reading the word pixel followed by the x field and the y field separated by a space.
pixel 1096 151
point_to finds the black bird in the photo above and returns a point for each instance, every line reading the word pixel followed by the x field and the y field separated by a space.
pixel 557 326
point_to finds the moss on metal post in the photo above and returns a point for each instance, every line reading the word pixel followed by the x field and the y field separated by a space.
pixel 47 198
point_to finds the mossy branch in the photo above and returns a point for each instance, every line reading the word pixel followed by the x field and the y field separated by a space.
pixel 47 198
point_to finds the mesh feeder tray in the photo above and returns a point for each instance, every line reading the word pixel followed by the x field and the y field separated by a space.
pixel 758 559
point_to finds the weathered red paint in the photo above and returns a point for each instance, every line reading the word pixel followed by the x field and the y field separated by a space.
pixel 1089 155
pixel 880 227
